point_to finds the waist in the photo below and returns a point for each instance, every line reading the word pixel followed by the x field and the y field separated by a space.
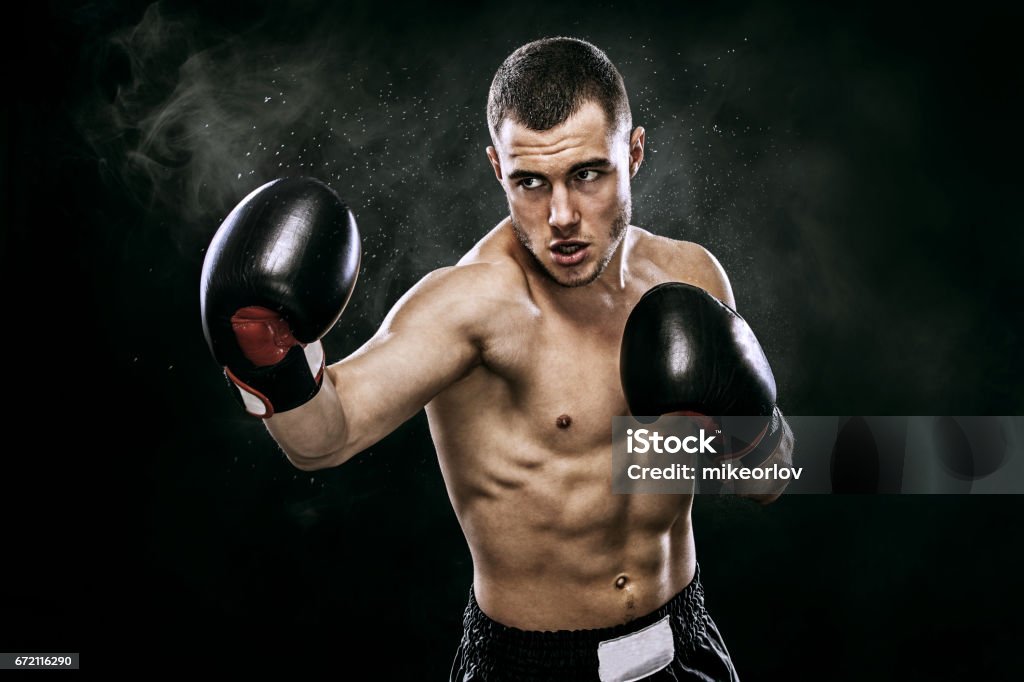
pixel 524 654
pixel 578 584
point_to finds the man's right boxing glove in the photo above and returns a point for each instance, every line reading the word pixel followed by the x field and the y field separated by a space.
pixel 276 278
pixel 684 352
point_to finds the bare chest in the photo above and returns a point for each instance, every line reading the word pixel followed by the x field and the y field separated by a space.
pixel 562 378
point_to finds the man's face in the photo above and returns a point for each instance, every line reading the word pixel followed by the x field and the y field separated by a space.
pixel 568 190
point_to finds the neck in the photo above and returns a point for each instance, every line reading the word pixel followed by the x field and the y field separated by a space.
pixel 584 302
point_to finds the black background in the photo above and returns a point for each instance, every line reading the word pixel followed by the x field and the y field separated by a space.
pixel 853 169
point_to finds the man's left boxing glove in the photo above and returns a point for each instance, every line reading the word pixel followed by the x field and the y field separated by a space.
pixel 684 352
pixel 276 278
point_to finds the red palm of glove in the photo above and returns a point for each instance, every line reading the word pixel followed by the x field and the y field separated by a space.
pixel 263 335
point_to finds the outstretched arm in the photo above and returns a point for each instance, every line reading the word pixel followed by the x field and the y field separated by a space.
pixel 278 274
pixel 429 340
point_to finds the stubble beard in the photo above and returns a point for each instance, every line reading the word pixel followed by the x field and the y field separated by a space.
pixel 618 229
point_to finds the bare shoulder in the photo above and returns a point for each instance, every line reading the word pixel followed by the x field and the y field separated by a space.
pixel 686 261
pixel 477 294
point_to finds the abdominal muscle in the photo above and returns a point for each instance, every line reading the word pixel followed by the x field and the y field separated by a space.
pixel 553 548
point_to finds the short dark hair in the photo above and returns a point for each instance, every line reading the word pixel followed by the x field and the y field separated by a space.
pixel 545 82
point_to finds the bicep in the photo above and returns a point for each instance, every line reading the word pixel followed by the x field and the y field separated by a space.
pixel 425 344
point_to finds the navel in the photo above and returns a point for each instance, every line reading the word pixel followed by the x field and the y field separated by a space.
pixel 621 582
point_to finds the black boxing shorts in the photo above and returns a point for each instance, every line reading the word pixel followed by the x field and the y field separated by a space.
pixel 677 642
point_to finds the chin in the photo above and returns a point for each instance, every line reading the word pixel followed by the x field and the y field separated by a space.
pixel 577 280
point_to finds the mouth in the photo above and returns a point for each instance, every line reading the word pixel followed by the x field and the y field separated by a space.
pixel 569 252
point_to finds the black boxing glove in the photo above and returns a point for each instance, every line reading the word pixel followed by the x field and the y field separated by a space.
pixel 684 352
pixel 277 276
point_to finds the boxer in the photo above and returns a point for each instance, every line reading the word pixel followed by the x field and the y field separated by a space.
pixel 517 355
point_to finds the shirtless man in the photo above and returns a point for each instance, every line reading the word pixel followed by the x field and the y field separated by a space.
pixel 515 354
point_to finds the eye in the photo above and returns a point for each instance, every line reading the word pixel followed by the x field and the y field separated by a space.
pixel 530 183
pixel 588 175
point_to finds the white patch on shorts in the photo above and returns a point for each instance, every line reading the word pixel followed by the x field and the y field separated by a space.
pixel 637 655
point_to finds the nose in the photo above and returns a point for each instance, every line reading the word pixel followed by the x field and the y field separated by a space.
pixel 563 215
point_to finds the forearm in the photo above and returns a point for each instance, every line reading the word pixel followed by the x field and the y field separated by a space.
pixel 313 435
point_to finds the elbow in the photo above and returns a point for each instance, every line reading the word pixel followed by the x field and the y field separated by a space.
pixel 307 461
pixel 306 465
pixel 312 463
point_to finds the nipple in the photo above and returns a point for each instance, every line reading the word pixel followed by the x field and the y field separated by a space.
pixel 564 421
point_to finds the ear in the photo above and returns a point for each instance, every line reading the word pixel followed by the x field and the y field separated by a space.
pixel 492 156
pixel 636 150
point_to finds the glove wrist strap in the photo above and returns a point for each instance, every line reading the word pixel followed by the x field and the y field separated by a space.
pixel 760 450
pixel 294 381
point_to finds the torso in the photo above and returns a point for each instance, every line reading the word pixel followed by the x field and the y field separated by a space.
pixel 524 443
